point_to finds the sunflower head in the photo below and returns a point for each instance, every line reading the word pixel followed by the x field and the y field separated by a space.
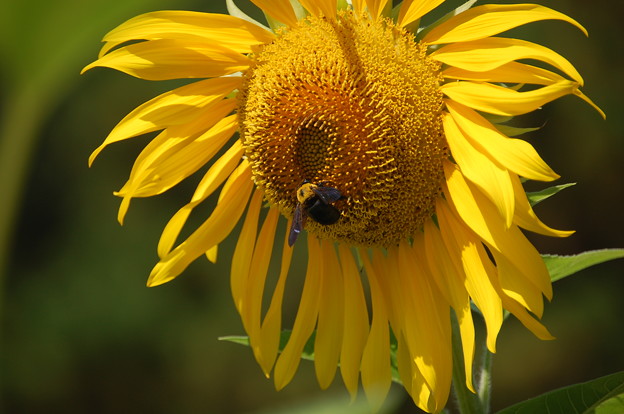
pixel 354 102
pixel 376 137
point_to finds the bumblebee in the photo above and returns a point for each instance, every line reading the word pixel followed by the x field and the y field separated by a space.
pixel 314 201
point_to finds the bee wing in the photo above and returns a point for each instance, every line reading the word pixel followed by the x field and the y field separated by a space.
pixel 296 226
pixel 327 194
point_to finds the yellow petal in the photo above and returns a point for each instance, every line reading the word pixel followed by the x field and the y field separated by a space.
pixel 272 323
pixel 255 287
pixel 493 52
pixel 490 19
pixel 229 31
pixel 492 179
pixel 515 154
pixel 412 10
pixel 288 361
pixel 517 286
pixel 241 260
pixel 479 214
pixel 211 254
pixel 328 341
pixel 525 216
pixel 463 248
pixel 387 271
pixel 356 325
pixel 163 59
pixel 319 8
pixel 214 177
pixel 162 166
pixel 280 10
pixel 451 283
pixel 359 7
pixel 376 7
pixel 512 72
pixel 499 100
pixel 176 107
pixel 376 373
pixel 427 326
pixel 216 228
pixel 523 316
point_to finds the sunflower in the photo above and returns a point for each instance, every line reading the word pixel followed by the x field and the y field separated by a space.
pixel 394 131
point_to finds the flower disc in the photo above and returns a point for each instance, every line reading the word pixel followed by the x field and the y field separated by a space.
pixel 352 104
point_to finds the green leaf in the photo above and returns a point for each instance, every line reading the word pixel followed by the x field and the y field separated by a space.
pixel 308 349
pixel 539 196
pixel 562 266
pixel 604 395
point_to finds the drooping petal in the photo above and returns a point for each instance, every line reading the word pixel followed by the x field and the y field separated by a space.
pixel 356 325
pixel 426 311
pixel 493 52
pixel 280 10
pixel 329 331
pixel 177 107
pixel 255 288
pixel 451 282
pixel 512 72
pixel 167 164
pixel 515 154
pixel 490 19
pixel 235 195
pixel 272 323
pixel 214 177
pixel 243 253
pixel 376 373
pixel 517 286
pixel 489 176
pixel 499 100
pixel 526 218
pixel 462 247
pixel 163 59
pixel 479 214
pixel 412 10
pixel 229 31
pixel 305 321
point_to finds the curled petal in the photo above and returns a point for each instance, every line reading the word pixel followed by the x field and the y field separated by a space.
pixel 490 19
pixel 493 52
pixel 229 31
pixel 163 59
pixel 499 100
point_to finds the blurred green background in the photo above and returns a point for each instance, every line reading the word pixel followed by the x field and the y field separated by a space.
pixel 82 333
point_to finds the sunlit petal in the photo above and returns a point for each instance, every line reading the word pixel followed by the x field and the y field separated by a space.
pixel 490 19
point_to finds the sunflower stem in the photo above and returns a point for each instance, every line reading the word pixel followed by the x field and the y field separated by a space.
pixel 484 389
pixel 467 402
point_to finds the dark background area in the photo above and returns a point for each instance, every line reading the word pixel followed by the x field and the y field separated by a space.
pixel 82 333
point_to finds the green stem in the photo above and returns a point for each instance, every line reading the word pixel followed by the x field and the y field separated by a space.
pixel 467 402
pixel 484 389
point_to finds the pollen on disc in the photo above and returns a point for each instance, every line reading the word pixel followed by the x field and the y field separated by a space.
pixel 355 104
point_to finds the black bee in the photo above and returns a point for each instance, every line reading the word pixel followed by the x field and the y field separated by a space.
pixel 314 201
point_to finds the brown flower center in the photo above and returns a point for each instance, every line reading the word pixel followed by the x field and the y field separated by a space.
pixel 354 105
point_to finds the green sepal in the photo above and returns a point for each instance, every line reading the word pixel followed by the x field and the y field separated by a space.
pixel 562 266
pixel 233 10
pixel 604 395
pixel 536 197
